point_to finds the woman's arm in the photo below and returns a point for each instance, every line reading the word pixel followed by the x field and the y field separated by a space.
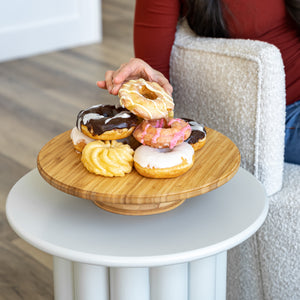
pixel 154 31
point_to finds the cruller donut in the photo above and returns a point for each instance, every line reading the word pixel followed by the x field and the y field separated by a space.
pixel 107 158
pixel 162 133
pixel 146 99
pixel 106 122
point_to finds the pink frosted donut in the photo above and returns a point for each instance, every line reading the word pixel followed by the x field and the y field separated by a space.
pixel 162 133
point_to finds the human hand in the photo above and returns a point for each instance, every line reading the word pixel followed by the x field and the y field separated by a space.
pixel 134 69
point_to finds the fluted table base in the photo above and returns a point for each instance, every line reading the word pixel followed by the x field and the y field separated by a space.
pixel 200 279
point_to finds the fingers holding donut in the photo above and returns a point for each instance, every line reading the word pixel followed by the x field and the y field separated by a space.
pixel 159 78
pixel 137 68
pixel 134 69
pixel 108 82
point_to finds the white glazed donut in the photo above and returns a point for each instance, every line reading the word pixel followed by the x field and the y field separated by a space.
pixel 79 139
pixel 163 163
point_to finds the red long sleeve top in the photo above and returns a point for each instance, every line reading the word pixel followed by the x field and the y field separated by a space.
pixel 265 20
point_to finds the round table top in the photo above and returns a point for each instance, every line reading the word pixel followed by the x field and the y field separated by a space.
pixel 73 228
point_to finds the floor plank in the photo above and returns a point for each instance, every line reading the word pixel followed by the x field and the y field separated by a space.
pixel 40 97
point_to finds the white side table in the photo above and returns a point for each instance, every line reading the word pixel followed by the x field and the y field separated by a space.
pixel 177 255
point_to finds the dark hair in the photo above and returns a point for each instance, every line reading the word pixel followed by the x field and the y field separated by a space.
pixel 293 7
pixel 205 17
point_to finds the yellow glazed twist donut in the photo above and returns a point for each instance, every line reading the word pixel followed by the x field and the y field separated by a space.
pixel 107 158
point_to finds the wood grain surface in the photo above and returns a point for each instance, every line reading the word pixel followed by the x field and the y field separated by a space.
pixel 214 165
pixel 39 96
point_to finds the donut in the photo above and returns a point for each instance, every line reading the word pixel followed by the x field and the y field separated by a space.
pixel 131 141
pixel 198 136
pixel 106 122
pixel 107 158
pixel 148 100
pixel 79 139
pixel 163 163
pixel 162 133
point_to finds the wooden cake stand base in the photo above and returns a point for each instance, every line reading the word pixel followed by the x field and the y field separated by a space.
pixel 215 164
pixel 138 209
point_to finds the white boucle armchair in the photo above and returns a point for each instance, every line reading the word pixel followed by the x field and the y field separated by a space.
pixel 238 88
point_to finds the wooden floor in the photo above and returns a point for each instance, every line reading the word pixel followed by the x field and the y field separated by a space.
pixel 40 97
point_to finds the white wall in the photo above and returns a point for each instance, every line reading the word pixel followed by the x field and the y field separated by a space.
pixel 29 27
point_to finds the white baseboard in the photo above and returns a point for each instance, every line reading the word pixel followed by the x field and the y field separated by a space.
pixel 81 25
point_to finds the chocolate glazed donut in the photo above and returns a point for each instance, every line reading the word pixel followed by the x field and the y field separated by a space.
pixel 106 122
pixel 198 136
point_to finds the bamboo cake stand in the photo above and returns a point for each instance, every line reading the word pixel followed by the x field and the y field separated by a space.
pixel 215 164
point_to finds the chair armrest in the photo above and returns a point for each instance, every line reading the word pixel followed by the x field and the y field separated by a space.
pixel 238 88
